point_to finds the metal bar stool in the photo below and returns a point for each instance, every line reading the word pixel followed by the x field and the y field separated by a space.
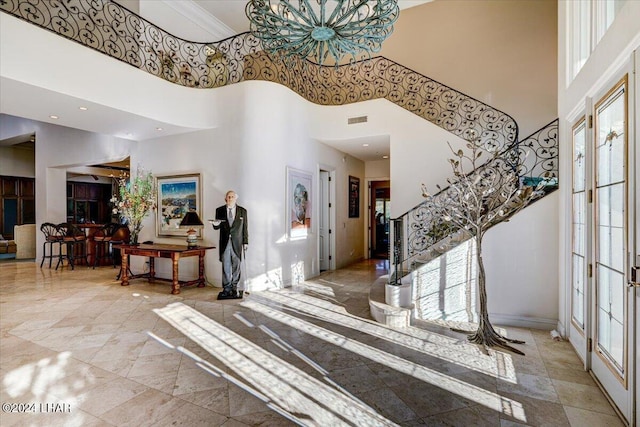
pixel 72 237
pixel 51 238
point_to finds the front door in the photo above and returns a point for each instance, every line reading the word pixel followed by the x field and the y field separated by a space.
pixel 603 305
pixel 613 302
pixel 580 235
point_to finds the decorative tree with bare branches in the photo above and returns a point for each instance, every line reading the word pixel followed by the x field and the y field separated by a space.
pixel 480 196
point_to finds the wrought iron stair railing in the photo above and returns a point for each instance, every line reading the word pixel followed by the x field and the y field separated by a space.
pixel 115 31
pixel 421 234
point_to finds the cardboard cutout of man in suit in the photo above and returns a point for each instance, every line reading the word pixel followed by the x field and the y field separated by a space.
pixel 233 224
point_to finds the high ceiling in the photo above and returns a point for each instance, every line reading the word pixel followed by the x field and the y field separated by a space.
pixel 231 12
pixel 212 17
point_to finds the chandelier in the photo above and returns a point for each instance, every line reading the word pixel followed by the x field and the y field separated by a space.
pixel 315 29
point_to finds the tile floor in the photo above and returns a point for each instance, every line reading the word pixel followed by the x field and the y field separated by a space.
pixel 78 349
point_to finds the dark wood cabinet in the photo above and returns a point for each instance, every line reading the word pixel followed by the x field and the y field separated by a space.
pixel 17 205
pixel 27 187
pixel 9 186
pixel 88 203
pixel 80 191
pixel 95 192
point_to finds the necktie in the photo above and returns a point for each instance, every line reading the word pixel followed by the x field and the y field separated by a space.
pixel 230 216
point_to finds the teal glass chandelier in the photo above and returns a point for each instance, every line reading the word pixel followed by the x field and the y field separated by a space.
pixel 316 29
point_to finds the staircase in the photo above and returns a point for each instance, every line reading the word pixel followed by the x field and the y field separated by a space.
pixel 420 235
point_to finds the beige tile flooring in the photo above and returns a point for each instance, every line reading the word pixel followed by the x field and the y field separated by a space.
pixel 78 349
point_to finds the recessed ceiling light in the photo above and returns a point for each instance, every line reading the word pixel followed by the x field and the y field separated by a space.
pixel 159 129
pixel 365 145
pixel 83 108
pixel 54 117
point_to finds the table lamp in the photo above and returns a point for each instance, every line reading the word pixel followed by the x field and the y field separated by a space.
pixel 191 220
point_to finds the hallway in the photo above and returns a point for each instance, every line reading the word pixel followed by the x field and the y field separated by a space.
pixel 80 349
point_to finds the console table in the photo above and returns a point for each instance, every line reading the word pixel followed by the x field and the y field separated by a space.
pixel 174 252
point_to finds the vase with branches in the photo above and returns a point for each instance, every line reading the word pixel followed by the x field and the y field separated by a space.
pixel 136 197
pixel 480 196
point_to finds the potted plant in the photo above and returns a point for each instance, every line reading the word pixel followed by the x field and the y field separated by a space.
pixel 136 197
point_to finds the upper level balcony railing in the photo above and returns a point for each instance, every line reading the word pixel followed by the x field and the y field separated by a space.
pixel 115 31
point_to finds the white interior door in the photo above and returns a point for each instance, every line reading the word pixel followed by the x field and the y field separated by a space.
pixel 324 222
pixel 613 304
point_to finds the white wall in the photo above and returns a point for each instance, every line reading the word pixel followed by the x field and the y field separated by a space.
pixel 377 170
pixel 82 73
pixel 521 263
pixel 187 20
pixel 249 153
pixel 419 149
pixel 500 52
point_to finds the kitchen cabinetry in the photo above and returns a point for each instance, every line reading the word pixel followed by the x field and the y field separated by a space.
pixel 88 203
pixel 18 203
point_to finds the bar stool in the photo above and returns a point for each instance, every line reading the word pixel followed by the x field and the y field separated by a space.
pixel 51 238
pixel 109 235
pixel 73 238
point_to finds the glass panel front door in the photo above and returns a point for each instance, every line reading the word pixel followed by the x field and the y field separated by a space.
pixel 610 230
pixel 610 360
pixel 579 252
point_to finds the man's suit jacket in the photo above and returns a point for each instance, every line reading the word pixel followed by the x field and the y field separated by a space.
pixel 238 231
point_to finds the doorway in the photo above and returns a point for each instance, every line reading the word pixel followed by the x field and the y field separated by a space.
pixel 326 240
pixel 602 247
pixel 380 215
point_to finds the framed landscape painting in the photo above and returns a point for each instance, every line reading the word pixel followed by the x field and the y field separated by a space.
pixel 177 195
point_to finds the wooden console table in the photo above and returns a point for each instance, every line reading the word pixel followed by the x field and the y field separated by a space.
pixel 175 252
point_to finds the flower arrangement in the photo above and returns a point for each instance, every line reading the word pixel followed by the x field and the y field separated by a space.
pixel 136 197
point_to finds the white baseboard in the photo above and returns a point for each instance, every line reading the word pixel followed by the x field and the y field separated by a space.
pixel 523 321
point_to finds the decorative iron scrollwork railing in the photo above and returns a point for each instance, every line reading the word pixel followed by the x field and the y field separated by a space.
pixel 421 234
pixel 115 31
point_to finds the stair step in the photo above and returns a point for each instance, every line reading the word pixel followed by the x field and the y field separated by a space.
pixel 397 317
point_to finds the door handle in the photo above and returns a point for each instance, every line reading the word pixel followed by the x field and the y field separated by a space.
pixel 633 282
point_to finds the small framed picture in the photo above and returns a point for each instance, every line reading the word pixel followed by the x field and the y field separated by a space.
pixel 177 195
pixel 354 197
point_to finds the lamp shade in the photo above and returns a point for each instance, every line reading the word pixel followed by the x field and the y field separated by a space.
pixel 191 219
